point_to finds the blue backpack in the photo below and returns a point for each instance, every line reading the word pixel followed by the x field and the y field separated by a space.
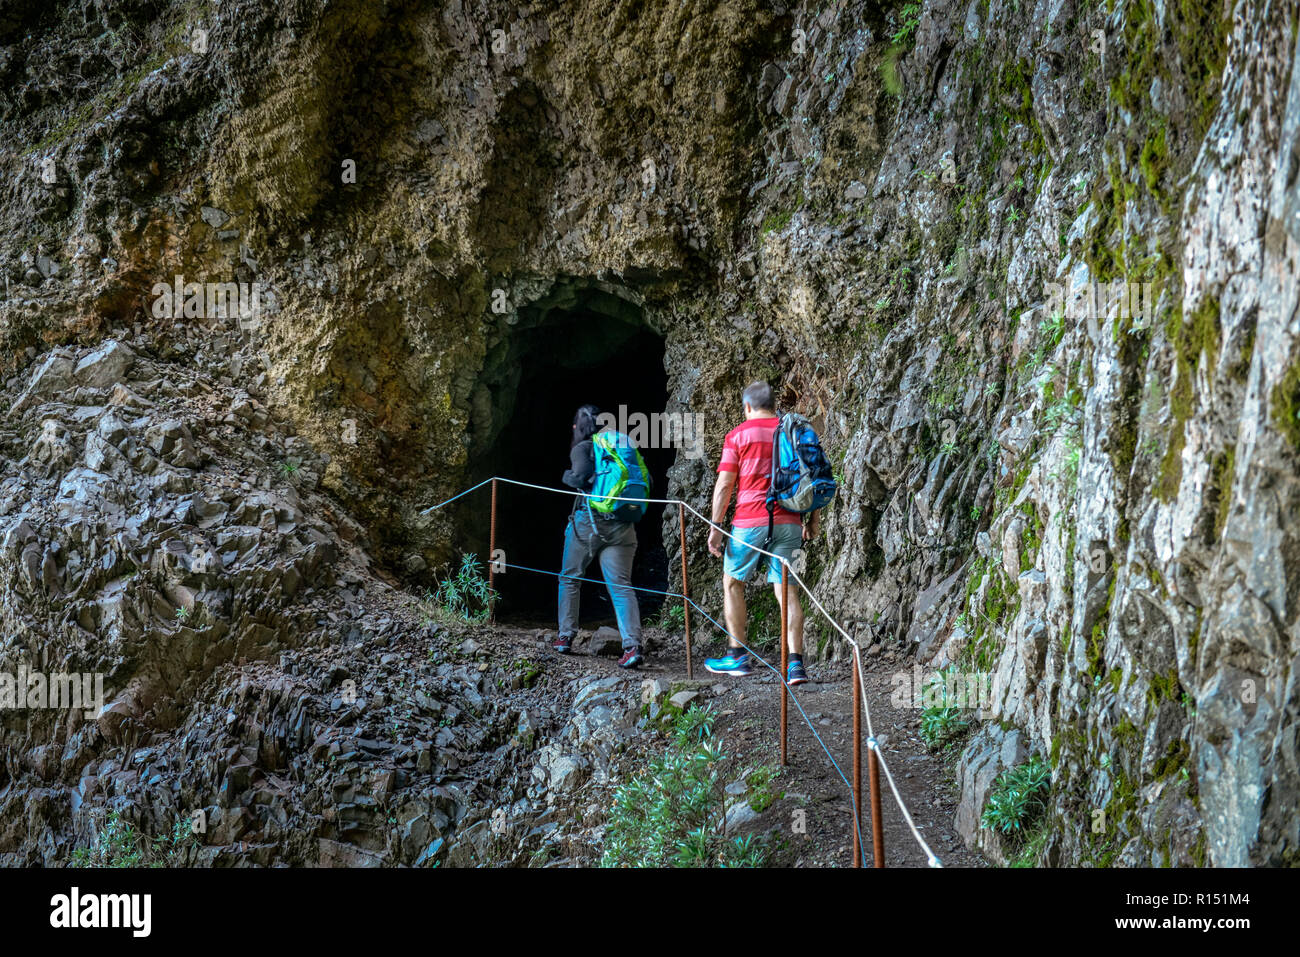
pixel 801 479
pixel 620 473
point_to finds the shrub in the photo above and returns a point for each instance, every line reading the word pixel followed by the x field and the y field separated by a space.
pixel 465 596
pixel 119 844
pixel 671 815
pixel 1018 798
pixel 943 723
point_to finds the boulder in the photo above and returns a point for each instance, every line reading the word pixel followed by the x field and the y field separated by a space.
pixel 105 367
pixel 604 641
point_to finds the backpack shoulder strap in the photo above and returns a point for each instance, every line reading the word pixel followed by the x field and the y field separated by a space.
pixel 771 482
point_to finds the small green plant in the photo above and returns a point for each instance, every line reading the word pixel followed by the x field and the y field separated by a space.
pixel 1070 466
pixel 119 844
pixel 745 851
pixel 761 792
pixel 465 596
pixel 693 726
pixel 672 813
pixel 527 672
pixel 1053 327
pixel 1018 798
pixel 910 19
pixel 1035 841
pixel 288 468
pixel 944 722
pixel 182 614
pixel 1059 412
pixel 672 617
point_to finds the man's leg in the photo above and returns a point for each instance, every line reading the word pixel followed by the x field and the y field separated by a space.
pixel 734 611
pixel 786 540
pixel 794 620
pixel 737 563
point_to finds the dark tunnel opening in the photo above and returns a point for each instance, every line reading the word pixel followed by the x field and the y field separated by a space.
pixel 576 355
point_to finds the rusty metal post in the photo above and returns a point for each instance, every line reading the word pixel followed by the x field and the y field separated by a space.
pixel 492 553
pixel 785 626
pixel 686 593
pixel 857 760
pixel 877 826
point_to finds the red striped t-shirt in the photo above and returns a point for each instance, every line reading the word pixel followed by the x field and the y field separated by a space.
pixel 747 450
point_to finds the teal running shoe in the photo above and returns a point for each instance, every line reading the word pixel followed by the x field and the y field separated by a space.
pixel 734 662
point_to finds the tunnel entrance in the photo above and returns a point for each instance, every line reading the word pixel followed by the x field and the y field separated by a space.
pixel 586 351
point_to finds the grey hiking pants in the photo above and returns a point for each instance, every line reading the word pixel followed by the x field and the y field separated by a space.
pixel 614 543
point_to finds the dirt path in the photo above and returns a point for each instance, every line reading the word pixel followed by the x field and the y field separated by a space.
pixel 749 722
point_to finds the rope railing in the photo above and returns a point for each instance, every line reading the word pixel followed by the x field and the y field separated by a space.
pixel 861 703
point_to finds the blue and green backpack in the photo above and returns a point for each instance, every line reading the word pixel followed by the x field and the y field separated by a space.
pixel 620 473
pixel 801 479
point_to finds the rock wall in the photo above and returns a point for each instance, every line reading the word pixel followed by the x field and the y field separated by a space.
pixel 890 209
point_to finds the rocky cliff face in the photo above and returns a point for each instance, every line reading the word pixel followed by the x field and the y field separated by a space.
pixel 897 212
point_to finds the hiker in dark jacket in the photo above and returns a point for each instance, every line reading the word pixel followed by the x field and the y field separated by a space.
pixel 590 535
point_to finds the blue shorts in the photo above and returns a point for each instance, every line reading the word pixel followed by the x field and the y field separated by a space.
pixel 739 561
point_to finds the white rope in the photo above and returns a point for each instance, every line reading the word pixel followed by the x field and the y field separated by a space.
pixel 857 658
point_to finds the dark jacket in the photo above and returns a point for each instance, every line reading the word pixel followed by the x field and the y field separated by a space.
pixel 581 471
pixel 582 466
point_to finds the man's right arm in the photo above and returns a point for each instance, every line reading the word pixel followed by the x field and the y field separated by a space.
pixel 813 525
pixel 722 490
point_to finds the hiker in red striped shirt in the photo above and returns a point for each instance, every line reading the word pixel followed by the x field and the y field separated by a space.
pixel 746 469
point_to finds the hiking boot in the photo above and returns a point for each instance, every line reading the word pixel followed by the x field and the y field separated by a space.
pixel 631 657
pixel 795 675
pixel 734 662
pixel 562 644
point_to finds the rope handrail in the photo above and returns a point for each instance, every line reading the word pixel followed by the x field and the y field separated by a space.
pixel 872 742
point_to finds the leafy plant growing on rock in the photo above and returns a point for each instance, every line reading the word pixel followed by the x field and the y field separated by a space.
pixel 119 844
pixel 944 722
pixel 1018 798
pixel 910 19
pixel 465 596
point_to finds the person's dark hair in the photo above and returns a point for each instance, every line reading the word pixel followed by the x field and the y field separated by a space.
pixel 585 423
pixel 759 396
